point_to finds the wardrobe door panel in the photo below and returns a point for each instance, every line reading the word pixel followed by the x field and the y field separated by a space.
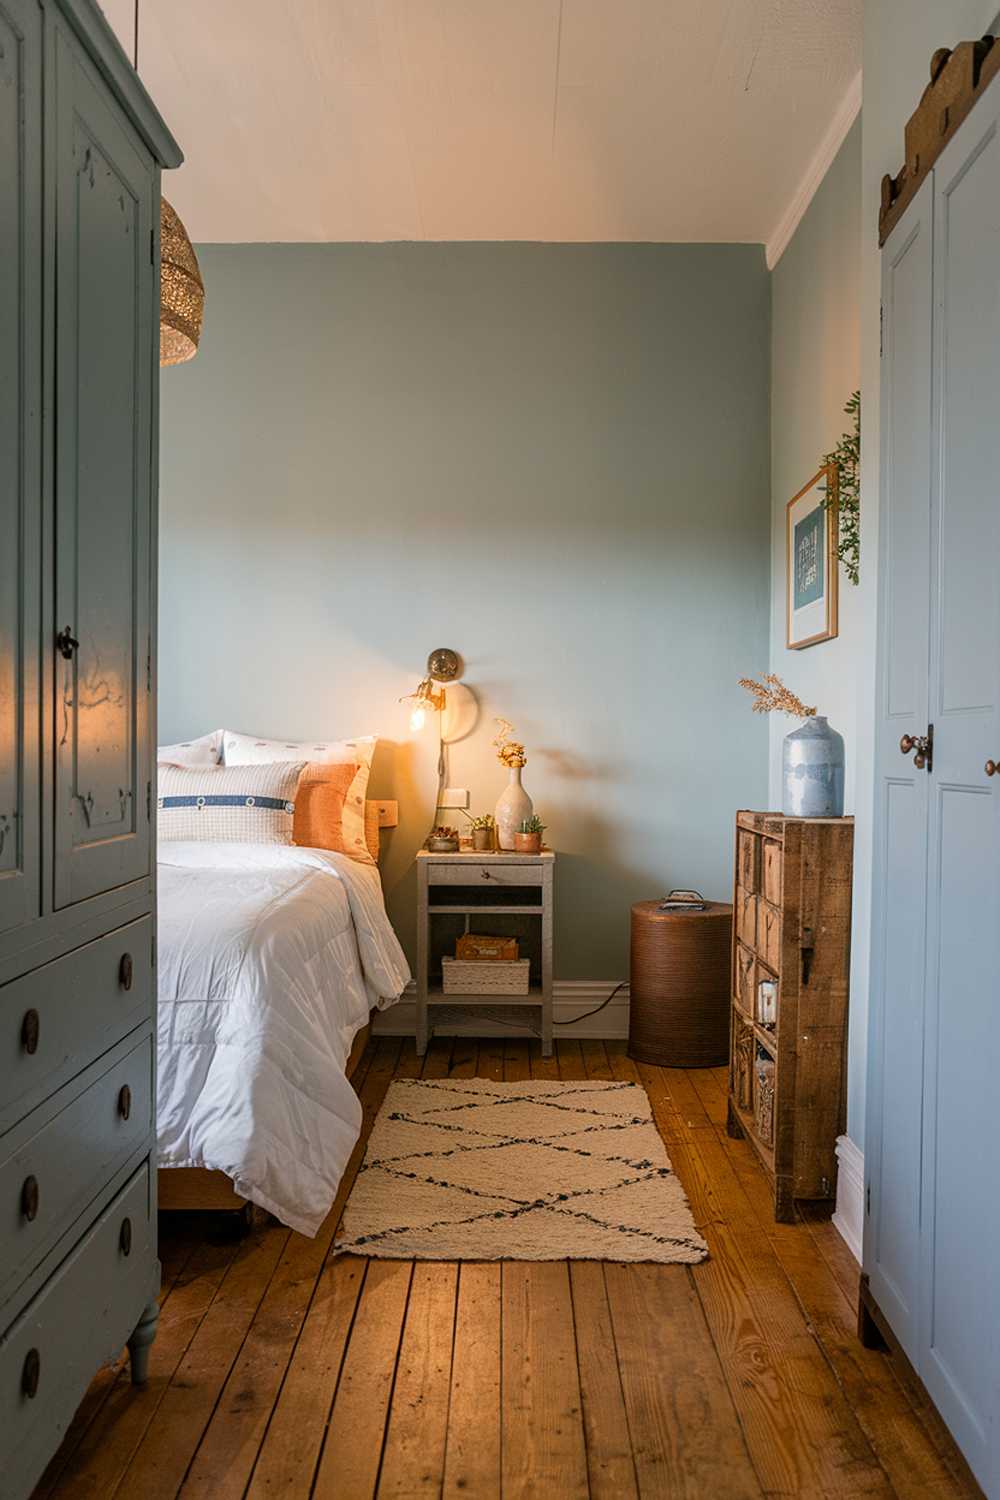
pixel 892 1150
pixel 961 1220
pixel 105 187
pixel 20 467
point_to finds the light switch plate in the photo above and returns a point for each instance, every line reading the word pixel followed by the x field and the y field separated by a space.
pixel 454 796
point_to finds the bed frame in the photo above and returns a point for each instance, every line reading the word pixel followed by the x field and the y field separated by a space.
pixel 201 1187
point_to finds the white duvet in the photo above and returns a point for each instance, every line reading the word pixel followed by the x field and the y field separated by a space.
pixel 270 960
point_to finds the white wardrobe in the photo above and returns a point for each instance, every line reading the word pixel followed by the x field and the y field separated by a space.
pixel 932 1227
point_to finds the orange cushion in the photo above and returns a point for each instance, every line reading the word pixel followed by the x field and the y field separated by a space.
pixel 319 806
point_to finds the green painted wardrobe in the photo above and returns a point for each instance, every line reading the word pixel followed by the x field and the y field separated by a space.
pixel 81 149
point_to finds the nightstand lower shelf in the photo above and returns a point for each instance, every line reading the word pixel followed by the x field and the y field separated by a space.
pixel 519 905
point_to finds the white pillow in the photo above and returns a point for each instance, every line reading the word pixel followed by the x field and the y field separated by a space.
pixel 248 749
pixel 228 804
pixel 204 752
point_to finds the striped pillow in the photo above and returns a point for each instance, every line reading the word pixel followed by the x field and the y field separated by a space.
pixel 228 804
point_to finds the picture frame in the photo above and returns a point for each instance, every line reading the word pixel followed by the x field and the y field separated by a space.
pixel 811 562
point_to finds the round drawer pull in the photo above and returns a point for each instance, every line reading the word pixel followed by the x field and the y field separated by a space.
pixel 124 1101
pixel 125 1237
pixel 125 971
pixel 487 875
pixel 29 1032
pixel 30 1372
pixel 29 1198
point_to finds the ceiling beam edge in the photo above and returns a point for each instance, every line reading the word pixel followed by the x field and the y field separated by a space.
pixel 827 149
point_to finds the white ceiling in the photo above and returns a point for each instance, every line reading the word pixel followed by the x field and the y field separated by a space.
pixel 493 119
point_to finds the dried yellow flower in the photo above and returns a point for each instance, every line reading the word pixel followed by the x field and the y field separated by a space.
pixel 509 752
pixel 771 695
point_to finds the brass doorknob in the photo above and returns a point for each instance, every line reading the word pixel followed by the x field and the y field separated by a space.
pixel 991 768
pixel 922 744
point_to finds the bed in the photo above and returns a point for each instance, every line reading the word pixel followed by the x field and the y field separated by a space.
pixel 271 959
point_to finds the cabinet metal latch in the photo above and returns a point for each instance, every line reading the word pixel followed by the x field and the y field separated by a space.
pixel 66 643
pixel 923 744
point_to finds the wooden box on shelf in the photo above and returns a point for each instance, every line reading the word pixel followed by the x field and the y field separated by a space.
pixel 790 970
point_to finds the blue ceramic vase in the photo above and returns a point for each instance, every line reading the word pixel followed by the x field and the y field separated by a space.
pixel 812 766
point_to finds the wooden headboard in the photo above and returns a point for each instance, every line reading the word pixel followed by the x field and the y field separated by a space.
pixel 380 812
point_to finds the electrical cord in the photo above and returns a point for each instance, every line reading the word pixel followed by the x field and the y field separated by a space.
pixel 524 1025
pixel 588 1013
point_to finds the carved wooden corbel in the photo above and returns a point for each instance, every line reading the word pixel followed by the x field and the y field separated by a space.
pixel 958 77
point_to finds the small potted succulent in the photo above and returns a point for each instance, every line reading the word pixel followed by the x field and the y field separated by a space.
pixel 482 833
pixel 528 838
pixel 443 840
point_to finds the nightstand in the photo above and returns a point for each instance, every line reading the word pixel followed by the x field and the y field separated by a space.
pixel 509 895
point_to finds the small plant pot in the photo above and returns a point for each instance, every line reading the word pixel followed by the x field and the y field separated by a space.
pixel 443 846
pixel 527 843
pixel 482 840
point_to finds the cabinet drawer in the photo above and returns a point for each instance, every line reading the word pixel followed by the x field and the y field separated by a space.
pixel 746 917
pixel 771 858
pixel 58 1019
pixel 769 935
pixel 744 979
pixel 81 1318
pixel 484 875
pixel 747 860
pixel 65 1151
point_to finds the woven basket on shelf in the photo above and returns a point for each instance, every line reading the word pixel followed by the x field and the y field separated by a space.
pixel 679 986
pixel 485 977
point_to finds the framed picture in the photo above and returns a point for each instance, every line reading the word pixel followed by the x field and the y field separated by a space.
pixel 811 557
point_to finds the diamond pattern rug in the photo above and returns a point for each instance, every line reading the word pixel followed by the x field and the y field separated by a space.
pixel 469 1169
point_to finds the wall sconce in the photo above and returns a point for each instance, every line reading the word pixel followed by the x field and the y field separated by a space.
pixel 443 666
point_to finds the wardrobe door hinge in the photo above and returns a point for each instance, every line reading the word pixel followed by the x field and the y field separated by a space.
pixel 881 328
pixel 149 800
pixel 149 666
pixel 152 951
pixel 152 247
pixel 868 1200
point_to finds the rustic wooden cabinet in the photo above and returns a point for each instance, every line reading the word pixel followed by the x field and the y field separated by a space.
pixel 791 952
pixel 81 149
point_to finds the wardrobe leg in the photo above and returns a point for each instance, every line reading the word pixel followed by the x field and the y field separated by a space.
pixel 141 1340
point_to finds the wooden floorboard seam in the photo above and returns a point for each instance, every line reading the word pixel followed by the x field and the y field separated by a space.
pixel 395 1376
pixel 618 1369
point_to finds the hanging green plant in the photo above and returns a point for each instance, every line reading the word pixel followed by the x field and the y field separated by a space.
pixel 847 457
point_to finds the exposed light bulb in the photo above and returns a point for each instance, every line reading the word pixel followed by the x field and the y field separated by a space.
pixel 418 718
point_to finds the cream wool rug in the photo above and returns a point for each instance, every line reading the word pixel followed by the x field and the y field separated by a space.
pixel 468 1169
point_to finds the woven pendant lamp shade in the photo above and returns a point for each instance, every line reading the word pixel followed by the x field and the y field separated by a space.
pixel 182 291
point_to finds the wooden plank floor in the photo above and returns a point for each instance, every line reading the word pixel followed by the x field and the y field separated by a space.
pixel 279 1371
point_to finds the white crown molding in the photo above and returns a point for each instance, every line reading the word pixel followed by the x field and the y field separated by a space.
pixel 819 166
pixel 570 998
pixel 849 1217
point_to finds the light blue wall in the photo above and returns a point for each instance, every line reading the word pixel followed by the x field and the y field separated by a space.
pixel 553 458
pixel 815 365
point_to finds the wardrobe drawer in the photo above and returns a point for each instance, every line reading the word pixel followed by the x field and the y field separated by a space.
pixel 81 1318
pixel 59 1018
pixel 64 1153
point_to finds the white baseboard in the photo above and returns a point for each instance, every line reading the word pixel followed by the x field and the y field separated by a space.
pixel 849 1217
pixel 570 998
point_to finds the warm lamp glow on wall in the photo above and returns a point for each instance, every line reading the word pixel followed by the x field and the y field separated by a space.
pixel 442 666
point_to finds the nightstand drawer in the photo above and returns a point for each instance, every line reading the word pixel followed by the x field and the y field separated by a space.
pixel 471 873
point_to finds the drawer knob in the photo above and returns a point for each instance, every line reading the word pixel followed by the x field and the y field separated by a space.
pixel 124 1101
pixel 29 1032
pixel 125 1237
pixel 29 1198
pixel 487 875
pixel 125 971
pixel 30 1372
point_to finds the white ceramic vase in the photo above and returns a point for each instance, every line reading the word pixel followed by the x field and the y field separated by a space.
pixel 514 806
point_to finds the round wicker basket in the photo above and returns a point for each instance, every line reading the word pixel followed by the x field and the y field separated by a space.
pixel 679 986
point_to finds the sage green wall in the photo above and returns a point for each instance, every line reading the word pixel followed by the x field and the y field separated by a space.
pixel 553 458
pixel 815 365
